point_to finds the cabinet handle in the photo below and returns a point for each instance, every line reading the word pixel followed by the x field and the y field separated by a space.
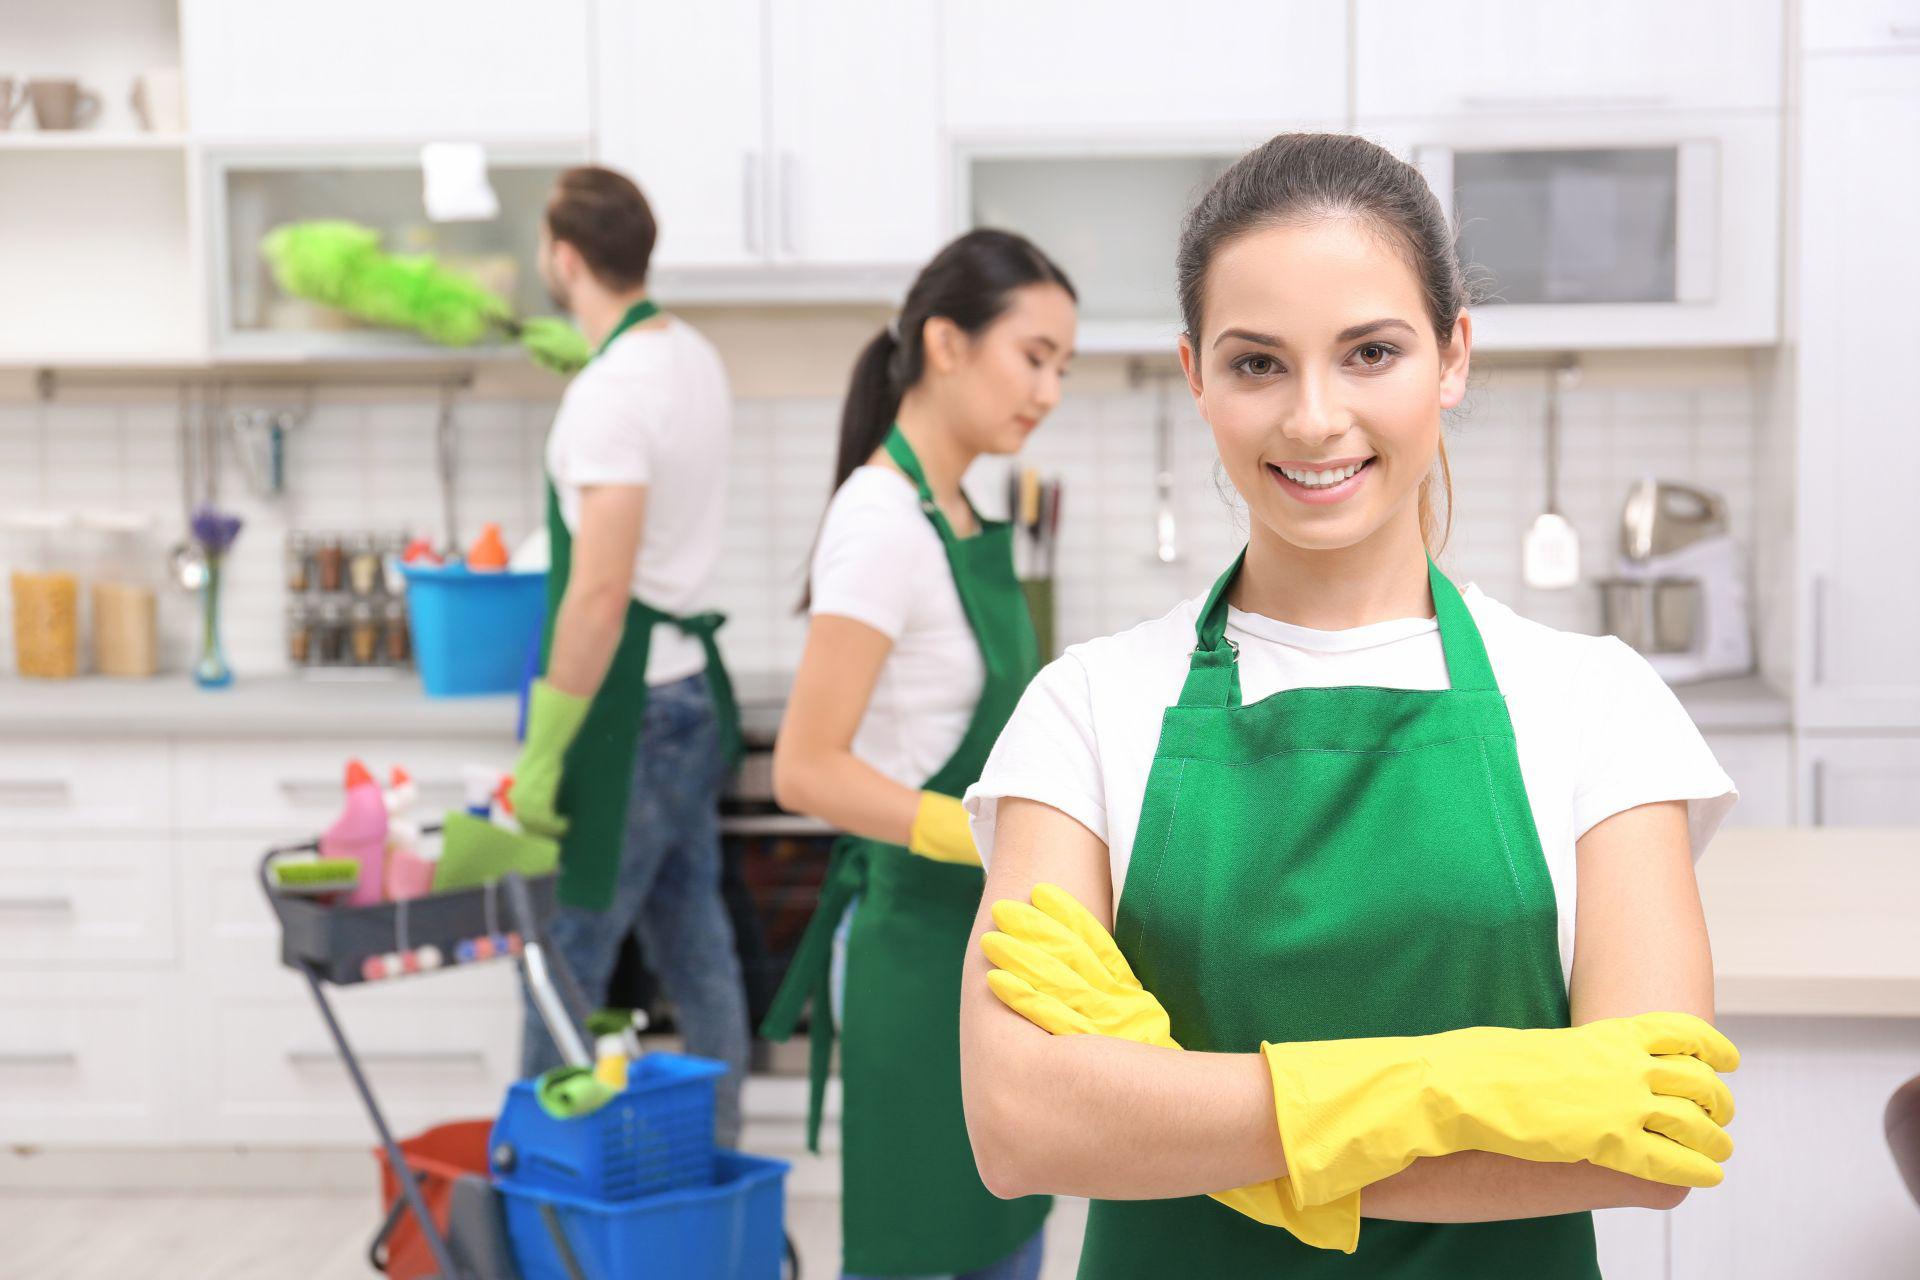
pixel 1819 656
pixel 1819 814
pixel 49 905
pixel 1581 101
pixel 35 791
pixel 774 824
pixel 750 195
pixel 55 1059
pixel 310 1058
pixel 789 241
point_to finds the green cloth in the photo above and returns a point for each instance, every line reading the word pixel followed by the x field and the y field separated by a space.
pixel 568 1093
pixel 912 1202
pixel 1334 863
pixel 475 852
pixel 597 778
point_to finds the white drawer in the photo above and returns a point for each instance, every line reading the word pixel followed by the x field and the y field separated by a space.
pixel 268 1072
pixel 291 791
pixel 86 901
pixel 65 784
pixel 86 1058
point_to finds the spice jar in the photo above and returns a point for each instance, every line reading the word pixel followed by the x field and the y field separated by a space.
pixel 329 562
pixel 300 628
pixel 299 562
pixel 46 624
pixel 363 634
pixel 330 634
pixel 363 564
pixel 399 643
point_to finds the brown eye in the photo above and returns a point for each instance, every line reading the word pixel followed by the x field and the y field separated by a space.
pixel 1258 366
pixel 1382 353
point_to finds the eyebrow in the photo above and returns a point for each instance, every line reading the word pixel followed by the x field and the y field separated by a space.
pixel 1347 334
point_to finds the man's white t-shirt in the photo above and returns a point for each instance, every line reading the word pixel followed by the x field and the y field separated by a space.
pixel 1598 731
pixel 653 409
pixel 880 562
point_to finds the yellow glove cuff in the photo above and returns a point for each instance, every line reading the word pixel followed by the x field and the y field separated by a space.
pixel 940 831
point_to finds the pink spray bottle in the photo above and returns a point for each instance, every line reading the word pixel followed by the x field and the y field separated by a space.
pixel 360 833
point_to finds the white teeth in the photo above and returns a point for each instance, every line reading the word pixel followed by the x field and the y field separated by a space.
pixel 1321 479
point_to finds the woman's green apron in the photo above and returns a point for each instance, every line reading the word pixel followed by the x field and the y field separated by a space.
pixel 597 779
pixel 912 1200
pixel 1332 863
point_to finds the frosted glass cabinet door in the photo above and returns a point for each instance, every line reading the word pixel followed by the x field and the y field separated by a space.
pixel 351 71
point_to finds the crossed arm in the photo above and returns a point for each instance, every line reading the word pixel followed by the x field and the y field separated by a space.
pixel 1107 1118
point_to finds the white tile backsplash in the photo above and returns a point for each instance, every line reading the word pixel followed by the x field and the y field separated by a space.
pixel 366 463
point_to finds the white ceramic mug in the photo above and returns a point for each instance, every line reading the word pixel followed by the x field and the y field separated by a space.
pixel 10 106
pixel 62 104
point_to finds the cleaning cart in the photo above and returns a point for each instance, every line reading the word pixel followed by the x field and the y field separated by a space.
pixel 634 1190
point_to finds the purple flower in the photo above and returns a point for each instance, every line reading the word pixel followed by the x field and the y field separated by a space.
pixel 214 529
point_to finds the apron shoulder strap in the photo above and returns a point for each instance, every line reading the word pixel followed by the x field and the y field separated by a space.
pixel 1467 665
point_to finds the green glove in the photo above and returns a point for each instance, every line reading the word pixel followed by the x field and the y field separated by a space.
pixel 553 718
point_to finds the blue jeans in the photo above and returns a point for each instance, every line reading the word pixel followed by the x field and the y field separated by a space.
pixel 668 891
pixel 1022 1264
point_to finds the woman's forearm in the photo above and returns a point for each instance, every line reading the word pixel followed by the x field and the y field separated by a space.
pixel 1479 1186
pixel 844 791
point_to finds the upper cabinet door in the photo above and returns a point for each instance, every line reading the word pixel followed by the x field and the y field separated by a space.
pixel 1859 422
pixel 1214 66
pixel 1844 25
pixel 682 104
pixel 353 71
pixel 856 155
pixel 1418 58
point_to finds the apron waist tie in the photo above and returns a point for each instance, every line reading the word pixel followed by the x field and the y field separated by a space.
pixel 703 627
pixel 810 979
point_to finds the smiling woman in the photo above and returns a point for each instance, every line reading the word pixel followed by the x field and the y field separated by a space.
pixel 1411 874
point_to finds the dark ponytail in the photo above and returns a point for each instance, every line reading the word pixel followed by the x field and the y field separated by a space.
pixel 970 282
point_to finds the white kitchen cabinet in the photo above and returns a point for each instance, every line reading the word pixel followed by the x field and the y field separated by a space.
pixel 1413 58
pixel 1851 25
pixel 1054 67
pixel 775 140
pixel 1859 424
pixel 1860 781
pixel 67 902
pixel 357 71
pixel 1761 766
pixel 88 1057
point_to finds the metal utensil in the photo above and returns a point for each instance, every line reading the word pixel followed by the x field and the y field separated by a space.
pixel 1166 548
pixel 1550 553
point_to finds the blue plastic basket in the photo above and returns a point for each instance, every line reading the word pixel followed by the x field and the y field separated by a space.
pixel 657 1135
pixel 472 632
pixel 732 1228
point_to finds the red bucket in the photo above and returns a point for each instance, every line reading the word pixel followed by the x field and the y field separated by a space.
pixel 438 1158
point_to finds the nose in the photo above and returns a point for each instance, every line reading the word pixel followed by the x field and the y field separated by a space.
pixel 1314 417
pixel 1047 394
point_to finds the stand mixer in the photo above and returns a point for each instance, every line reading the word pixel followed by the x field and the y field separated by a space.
pixel 1679 594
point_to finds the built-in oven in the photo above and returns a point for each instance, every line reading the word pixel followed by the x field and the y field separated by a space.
pixel 1610 229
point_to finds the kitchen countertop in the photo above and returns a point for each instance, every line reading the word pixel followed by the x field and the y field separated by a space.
pixel 286 706
pixel 1814 921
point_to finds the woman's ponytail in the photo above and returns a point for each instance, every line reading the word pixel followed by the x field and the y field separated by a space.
pixel 873 398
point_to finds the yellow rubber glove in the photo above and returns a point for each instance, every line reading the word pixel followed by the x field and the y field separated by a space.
pixel 940 831
pixel 1638 1094
pixel 1061 970
pixel 553 720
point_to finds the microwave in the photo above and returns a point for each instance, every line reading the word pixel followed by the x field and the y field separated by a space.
pixel 1609 230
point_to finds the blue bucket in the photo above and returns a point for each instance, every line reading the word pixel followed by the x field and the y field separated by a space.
pixel 472 631
pixel 729 1228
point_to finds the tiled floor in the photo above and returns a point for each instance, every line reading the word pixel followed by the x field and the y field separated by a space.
pixel 306 1237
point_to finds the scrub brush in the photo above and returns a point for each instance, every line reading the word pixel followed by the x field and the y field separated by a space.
pixel 316 875
pixel 340 264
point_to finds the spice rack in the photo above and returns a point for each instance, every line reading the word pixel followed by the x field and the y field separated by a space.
pixel 347 605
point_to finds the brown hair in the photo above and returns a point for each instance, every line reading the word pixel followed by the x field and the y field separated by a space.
pixel 603 215
pixel 1304 177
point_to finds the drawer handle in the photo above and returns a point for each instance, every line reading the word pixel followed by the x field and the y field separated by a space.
pixel 35 791
pixel 318 793
pixel 775 824
pixel 47 906
pixel 68 1060
pixel 307 1059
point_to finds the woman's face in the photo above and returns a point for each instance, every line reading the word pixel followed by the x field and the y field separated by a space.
pixel 1322 379
pixel 1000 383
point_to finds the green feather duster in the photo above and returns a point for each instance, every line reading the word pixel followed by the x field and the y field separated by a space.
pixel 341 265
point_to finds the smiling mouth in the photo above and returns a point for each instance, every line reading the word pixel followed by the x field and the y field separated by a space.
pixel 1327 479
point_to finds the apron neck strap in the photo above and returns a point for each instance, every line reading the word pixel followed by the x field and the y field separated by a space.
pixel 638 313
pixel 1213 672
pixel 904 457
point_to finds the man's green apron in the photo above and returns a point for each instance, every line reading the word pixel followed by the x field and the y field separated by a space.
pixel 912 1202
pixel 597 779
pixel 1333 863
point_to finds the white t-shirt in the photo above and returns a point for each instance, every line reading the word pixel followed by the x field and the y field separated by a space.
pixel 1598 732
pixel 654 410
pixel 879 561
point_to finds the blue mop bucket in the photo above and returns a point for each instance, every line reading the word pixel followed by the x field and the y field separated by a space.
pixel 729 1228
pixel 472 631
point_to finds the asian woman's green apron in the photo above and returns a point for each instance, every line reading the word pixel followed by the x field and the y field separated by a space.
pixel 912 1202
pixel 597 779
pixel 1333 863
